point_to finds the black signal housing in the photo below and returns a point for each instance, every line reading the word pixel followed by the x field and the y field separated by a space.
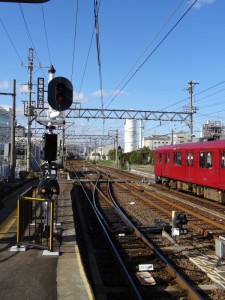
pixel 60 93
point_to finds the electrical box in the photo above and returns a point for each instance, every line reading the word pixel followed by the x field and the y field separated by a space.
pixel 220 247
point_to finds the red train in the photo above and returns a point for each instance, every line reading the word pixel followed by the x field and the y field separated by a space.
pixel 195 167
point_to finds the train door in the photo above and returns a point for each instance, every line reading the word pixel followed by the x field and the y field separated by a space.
pixel 166 163
pixel 189 165
pixel 222 169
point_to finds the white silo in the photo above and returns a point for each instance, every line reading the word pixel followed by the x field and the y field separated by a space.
pixel 130 139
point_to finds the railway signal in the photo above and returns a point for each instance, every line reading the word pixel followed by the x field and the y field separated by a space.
pixel 48 187
pixel 60 93
pixel 179 219
pixel 50 148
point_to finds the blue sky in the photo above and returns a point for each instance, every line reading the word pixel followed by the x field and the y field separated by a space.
pixel 129 33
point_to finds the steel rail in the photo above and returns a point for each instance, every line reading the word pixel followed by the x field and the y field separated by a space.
pixel 179 278
pixel 98 215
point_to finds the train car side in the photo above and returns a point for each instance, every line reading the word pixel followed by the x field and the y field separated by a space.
pixel 195 167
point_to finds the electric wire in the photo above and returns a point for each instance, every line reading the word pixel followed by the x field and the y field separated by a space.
pixel 116 93
pixel 46 36
pixel 74 40
pixel 198 100
pixel 153 51
pixel 26 26
pixel 146 49
pixel 96 11
pixel 11 41
pixel 85 66
pixel 30 39
pixel 196 94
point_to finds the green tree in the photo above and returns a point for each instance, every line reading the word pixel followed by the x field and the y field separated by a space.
pixel 112 154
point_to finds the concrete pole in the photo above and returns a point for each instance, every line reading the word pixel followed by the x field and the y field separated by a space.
pixel 30 70
pixel 13 120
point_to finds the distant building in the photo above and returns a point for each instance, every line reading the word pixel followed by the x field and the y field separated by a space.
pixel 101 152
pixel 154 141
pixel 20 131
pixel 213 130
pixel 5 126
pixel 181 137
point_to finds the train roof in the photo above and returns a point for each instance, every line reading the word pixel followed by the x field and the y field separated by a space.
pixel 194 145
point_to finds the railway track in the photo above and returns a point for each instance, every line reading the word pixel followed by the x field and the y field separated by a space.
pixel 205 216
pixel 193 254
pixel 134 249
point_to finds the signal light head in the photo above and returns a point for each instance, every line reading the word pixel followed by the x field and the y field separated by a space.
pixel 60 93
pixel 49 187
pixel 59 98
pixel 43 191
pixel 54 190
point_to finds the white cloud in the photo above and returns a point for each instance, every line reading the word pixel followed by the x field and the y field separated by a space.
pixel 112 94
pixel 4 84
pixel 98 93
pixel 120 93
pixel 79 97
pixel 200 3
pixel 23 88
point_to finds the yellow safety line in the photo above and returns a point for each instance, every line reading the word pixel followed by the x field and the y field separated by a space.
pixel 81 269
pixel 18 222
pixel 5 226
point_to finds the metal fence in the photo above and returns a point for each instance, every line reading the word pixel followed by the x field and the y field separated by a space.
pixel 35 220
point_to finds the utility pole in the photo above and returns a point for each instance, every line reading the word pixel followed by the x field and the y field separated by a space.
pixel 30 70
pixel 63 143
pixel 13 120
pixel 192 109
pixel 117 165
pixel 30 106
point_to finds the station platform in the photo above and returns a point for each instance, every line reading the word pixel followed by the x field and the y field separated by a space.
pixel 41 275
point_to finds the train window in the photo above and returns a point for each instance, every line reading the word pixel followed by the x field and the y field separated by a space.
pixel 205 159
pixel 222 159
pixel 177 158
pixel 190 159
pixel 167 158
pixel 159 158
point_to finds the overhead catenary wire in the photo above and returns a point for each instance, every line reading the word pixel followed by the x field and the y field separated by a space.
pixel 146 49
pixel 96 11
pixel 116 93
pixel 153 51
pixel 85 66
